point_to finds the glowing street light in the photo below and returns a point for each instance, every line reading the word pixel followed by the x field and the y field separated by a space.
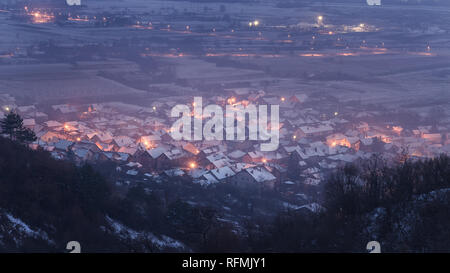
pixel 231 100
pixel 320 19
pixel 192 165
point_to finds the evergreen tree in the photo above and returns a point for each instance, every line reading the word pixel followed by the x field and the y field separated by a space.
pixel 25 135
pixel 12 125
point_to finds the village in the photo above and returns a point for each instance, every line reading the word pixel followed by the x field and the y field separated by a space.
pixel 346 90
pixel 314 140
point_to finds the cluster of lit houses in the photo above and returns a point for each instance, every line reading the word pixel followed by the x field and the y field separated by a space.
pixel 138 140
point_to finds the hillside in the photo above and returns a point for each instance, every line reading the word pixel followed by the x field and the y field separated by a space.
pixel 45 203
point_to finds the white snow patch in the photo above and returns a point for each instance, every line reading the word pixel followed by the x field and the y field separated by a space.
pixel 20 226
pixel 125 232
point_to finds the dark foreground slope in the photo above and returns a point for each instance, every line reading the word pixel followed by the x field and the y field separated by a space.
pixel 45 203
pixel 406 208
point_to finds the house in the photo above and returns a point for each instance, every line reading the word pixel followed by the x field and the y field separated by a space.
pixel 63 145
pixel 122 141
pixel 197 173
pixel 216 160
pixel 106 147
pixel 222 174
pixel 277 170
pixel 253 177
pixel 52 124
pixel 189 147
pixel 208 179
pixel 314 131
pixel 29 123
pixel 102 137
pixel 128 150
pixel 337 140
pixel 177 157
pixel 86 145
pixel 122 157
pixel 253 157
pixel 434 138
pixel 220 163
pixel 149 158
pixel 237 154
pixel 51 136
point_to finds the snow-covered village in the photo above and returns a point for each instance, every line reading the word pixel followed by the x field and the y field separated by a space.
pixel 340 142
pixel 313 136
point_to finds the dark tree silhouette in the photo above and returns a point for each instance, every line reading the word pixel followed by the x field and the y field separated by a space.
pixel 25 135
pixel 12 125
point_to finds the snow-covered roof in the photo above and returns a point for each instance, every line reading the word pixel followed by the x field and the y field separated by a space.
pixel 191 148
pixel 260 174
pixel 210 178
pixel 132 172
pixel 222 173
pixel 174 172
pixel 52 123
pixel 236 154
pixel 156 152
pixel 123 140
pixel 318 129
pixel 29 122
pixel 63 144
pixel 221 163
pixel 215 157
pixel 127 150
